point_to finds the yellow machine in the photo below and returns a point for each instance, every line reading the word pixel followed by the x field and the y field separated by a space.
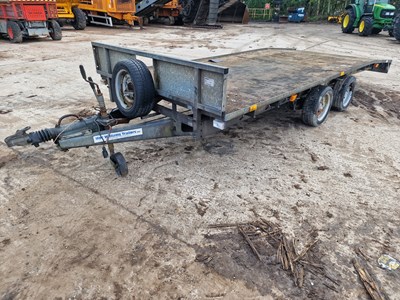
pixel 78 13
pixel 336 19
pixel 169 11
pixel 109 12
pixel 160 11
pixel 69 13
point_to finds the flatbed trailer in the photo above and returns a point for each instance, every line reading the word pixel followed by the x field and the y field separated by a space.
pixel 202 97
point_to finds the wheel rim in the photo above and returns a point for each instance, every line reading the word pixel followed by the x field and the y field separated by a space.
pixel 362 26
pixel 125 89
pixel 346 21
pixel 323 106
pixel 10 33
pixel 347 96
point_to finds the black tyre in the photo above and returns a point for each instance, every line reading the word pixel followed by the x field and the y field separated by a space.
pixel 365 26
pixel 132 88
pixel 79 22
pixel 348 21
pixel 396 27
pixel 54 30
pixel 391 34
pixel 14 32
pixel 376 31
pixel 345 95
pixel 171 21
pixel 317 105
pixel 119 163
pixel 189 10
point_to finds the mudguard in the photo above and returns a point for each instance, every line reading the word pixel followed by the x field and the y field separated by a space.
pixel 357 11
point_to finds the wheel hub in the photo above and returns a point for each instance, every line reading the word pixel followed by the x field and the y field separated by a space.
pixel 126 88
pixel 323 106
pixel 347 96
pixel 10 33
pixel 362 26
pixel 346 21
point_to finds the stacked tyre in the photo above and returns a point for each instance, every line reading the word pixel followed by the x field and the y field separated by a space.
pixel 189 10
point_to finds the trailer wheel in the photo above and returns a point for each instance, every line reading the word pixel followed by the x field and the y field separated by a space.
pixel 14 32
pixel 79 22
pixel 365 27
pixel 132 88
pixel 345 96
pixel 396 27
pixel 348 21
pixel 55 30
pixel 317 105
pixel 119 163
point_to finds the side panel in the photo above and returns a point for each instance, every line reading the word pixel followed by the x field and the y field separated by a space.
pixel 106 60
pixel 64 10
pixel 193 86
pixel 116 6
pixel 196 85
pixel 34 12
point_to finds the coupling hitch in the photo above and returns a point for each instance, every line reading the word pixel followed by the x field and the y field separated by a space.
pixel 22 138
pixel 83 131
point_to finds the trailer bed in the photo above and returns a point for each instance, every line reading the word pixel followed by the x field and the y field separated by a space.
pixel 229 86
pixel 263 77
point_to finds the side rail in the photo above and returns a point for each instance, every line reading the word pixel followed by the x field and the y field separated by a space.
pixel 195 85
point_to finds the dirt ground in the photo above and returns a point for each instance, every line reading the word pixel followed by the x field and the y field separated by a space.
pixel 71 229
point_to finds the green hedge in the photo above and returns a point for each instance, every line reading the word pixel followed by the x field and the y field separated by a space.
pixel 314 8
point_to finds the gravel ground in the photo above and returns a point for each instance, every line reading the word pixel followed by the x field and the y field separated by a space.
pixel 71 229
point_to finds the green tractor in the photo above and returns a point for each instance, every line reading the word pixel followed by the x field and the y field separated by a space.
pixel 369 16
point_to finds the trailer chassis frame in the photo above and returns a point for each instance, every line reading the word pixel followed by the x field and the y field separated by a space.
pixel 194 98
